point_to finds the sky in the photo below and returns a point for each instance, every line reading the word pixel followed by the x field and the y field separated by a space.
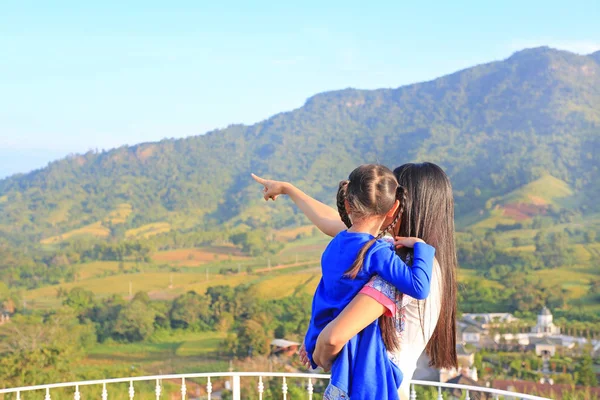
pixel 80 75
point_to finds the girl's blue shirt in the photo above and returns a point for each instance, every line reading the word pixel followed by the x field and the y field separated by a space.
pixel 363 368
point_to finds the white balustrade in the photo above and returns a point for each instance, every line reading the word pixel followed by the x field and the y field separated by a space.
pixel 183 388
pixel 157 389
pixel 286 380
pixel 77 395
pixel 261 388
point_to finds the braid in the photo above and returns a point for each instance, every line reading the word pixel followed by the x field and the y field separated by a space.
pixel 341 203
pixel 401 197
pixel 357 265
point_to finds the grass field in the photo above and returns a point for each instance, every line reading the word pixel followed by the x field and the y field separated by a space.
pixel 151 282
pixel 120 214
pixel 469 275
pixel 521 204
pixel 196 257
pixel 293 233
pixel 164 353
pixel 174 272
pixel 288 284
pixel 543 191
pixel 148 230
pixel 198 345
pixel 60 214
pixel 96 229
pixel 576 279
pixel 97 269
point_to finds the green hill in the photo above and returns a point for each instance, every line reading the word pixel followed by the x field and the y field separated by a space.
pixel 518 138
pixel 543 197
pixel 494 127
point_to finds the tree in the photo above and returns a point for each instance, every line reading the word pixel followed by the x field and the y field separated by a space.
pixel 225 322
pixel 105 314
pixel 135 322
pixel 230 344
pixel 40 350
pixel 252 339
pixel 79 299
pixel 589 236
pixel 190 310
pixel 585 372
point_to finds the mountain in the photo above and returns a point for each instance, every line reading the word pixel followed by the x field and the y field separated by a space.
pixel 494 127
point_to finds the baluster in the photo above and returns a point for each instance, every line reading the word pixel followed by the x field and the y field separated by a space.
pixel 157 389
pixel 208 388
pixel 310 389
pixel 284 388
pixel 467 397
pixel 131 390
pixel 261 388
pixel 183 389
pixel 77 395
pixel 496 397
pixel 104 392
pixel 440 397
pixel 18 395
pixel 413 393
pixel 47 397
pixel 236 389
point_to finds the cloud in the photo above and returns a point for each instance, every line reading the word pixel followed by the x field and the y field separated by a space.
pixel 575 46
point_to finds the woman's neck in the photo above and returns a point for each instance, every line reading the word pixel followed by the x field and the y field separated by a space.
pixel 370 225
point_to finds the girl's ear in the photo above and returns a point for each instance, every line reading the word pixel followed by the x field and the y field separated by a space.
pixel 393 210
pixel 347 206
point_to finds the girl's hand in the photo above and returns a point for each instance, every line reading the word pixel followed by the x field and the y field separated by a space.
pixel 303 356
pixel 272 189
pixel 320 359
pixel 406 241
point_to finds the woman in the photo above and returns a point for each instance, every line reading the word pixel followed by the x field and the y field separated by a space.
pixel 430 325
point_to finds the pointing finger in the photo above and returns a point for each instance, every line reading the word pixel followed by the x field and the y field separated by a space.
pixel 258 179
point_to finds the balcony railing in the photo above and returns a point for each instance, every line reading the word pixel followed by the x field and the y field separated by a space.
pixel 102 386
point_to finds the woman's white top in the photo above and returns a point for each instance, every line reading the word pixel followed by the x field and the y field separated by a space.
pixel 417 333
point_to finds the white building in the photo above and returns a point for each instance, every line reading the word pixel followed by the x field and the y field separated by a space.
pixel 546 347
pixel 544 325
pixel 488 320
pixel 471 335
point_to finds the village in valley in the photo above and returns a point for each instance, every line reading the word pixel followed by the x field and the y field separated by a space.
pixel 528 358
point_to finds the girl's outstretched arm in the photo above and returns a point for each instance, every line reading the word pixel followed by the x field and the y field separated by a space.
pixel 324 217
pixel 359 314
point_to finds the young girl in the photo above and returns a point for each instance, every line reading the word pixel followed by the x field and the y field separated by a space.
pixel 363 369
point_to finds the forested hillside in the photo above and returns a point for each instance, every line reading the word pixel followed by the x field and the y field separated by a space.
pixel 494 127
pixel 518 137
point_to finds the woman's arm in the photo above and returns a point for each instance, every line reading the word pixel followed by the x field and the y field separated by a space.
pixel 359 314
pixel 324 217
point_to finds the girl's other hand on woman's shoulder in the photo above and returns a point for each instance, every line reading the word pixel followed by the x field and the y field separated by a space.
pixel 400 241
